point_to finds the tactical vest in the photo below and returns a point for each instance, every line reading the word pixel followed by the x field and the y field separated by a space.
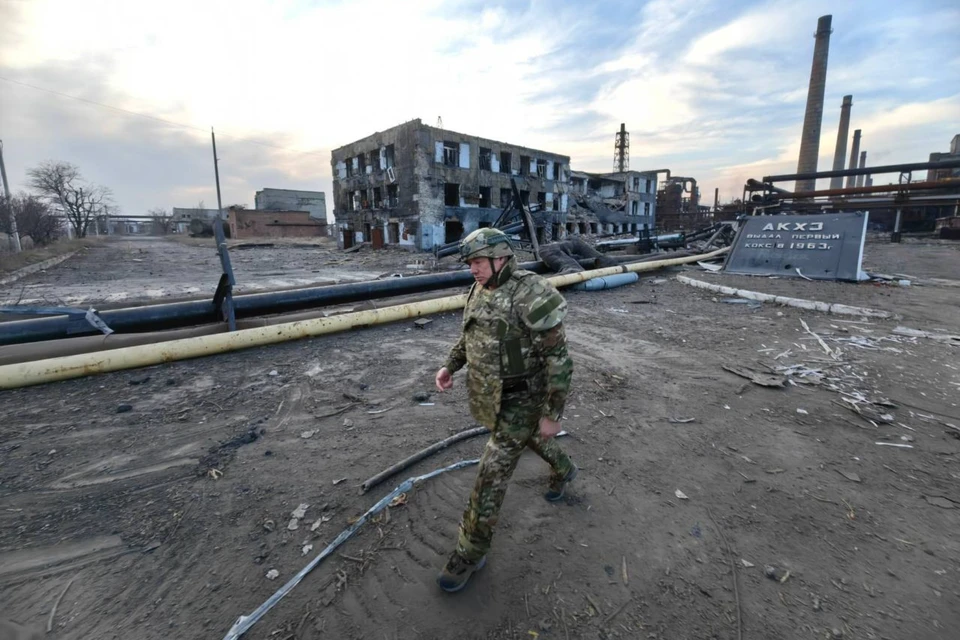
pixel 499 350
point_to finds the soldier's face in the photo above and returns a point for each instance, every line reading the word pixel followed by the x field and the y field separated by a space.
pixel 481 270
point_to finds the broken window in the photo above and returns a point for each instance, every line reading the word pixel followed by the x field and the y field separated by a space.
pixel 525 198
pixel 593 228
pixel 452 230
pixel 557 171
pixel 485 197
pixel 636 183
pixel 451 154
pixel 485 155
pixel 377 198
pixel 646 208
pixel 350 167
pixel 355 197
pixel 505 160
pixel 393 233
pixel 524 165
pixel 635 208
pixel 541 235
pixel 647 190
pixel 556 202
pixel 388 156
pixel 542 200
pixel 393 195
pixel 373 161
pixel 583 228
pixel 367 232
pixel 505 196
pixel 557 230
pixel 361 164
pixel 451 194
pixel 541 168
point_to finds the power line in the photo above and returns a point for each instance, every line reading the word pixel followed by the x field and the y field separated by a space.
pixel 155 118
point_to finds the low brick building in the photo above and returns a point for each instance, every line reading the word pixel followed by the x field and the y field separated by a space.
pixel 254 223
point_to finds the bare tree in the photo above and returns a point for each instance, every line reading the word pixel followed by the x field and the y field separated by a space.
pixel 82 202
pixel 162 221
pixel 35 219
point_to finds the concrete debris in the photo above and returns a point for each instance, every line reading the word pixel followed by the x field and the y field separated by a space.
pixel 300 511
pixel 273 574
pixel 757 377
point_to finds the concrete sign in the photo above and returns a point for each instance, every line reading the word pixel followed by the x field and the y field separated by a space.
pixel 820 247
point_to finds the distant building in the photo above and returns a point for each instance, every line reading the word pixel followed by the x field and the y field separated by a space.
pixel 422 186
pixel 313 202
pixel 183 216
pixel 255 223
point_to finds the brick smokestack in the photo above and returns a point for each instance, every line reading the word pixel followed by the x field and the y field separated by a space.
pixel 842 134
pixel 863 165
pixel 813 117
pixel 854 153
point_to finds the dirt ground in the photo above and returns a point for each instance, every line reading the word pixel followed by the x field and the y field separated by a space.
pixel 160 498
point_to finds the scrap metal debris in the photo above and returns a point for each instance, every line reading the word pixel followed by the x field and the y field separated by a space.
pixel 757 377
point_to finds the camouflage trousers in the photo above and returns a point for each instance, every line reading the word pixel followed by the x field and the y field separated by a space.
pixel 517 428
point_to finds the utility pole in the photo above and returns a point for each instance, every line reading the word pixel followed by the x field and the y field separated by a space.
pixel 216 173
pixel 6 191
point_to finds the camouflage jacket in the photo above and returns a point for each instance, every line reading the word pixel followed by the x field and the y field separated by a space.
pixel 514 344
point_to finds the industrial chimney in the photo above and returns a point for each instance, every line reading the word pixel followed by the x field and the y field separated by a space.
pixel 841 153
pixel 854 152
pixel 813 117
pixel 863 164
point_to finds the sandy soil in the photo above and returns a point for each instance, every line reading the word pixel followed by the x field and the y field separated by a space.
pixel 107 484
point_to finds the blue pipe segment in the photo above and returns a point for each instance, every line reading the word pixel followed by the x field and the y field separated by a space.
pixel 607 282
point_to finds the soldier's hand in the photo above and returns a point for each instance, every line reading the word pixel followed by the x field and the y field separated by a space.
pixel 549 428
pixel 444 379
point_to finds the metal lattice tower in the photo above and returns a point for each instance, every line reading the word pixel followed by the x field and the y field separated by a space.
pixel 621 150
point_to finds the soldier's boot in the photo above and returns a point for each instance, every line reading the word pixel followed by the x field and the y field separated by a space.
pixel 457 572
pixel 559 485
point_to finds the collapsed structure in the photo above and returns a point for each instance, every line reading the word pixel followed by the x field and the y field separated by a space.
pixel 423 186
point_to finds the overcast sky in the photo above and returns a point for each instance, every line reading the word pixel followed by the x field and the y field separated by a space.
pixel 713 89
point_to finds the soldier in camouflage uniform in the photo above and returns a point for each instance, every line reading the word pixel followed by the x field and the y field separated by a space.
pixel 518 377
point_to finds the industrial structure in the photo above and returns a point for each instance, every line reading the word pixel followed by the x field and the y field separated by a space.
pixel 312 202
pixel 259 223
pixel 813 116
pixel 842 132
pixel 420 186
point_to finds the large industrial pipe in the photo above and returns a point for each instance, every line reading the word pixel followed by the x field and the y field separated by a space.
pixel 890 168
pixel 880 188
pixel 813 116
pixel 854 153
pixel 50 370
pixel 842 133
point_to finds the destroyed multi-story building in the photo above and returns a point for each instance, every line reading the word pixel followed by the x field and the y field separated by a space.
pixel 612 203
pixel 423 186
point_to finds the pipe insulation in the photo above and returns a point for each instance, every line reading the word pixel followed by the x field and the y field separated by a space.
pixel 53 369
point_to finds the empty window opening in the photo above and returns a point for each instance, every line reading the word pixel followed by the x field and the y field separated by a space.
pixel 452 230
pixel 505 161
pixel 388 155
pixel 593 228
pixel 542 200
pixel 635 208
pixel 557 230
pixel 557 170
pixel 393 195
pixel 649 183
pixel 348 237
pixel 583 228
pixel 361 164
pixel 485 197
pixel 377 198
pixel 556 202
pixel 451 194
pixel 393 232
pixel 451 154
pixel 485 155
pixel 571 227
pixel 525 198
pixel 367 232
pixel 636 183
pixel 355 197
pixel 646 208
pixel 373 160
pixel 524 165
pixel 541 235
pixel 541 168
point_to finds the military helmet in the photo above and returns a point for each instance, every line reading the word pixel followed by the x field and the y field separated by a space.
pixel 485 243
